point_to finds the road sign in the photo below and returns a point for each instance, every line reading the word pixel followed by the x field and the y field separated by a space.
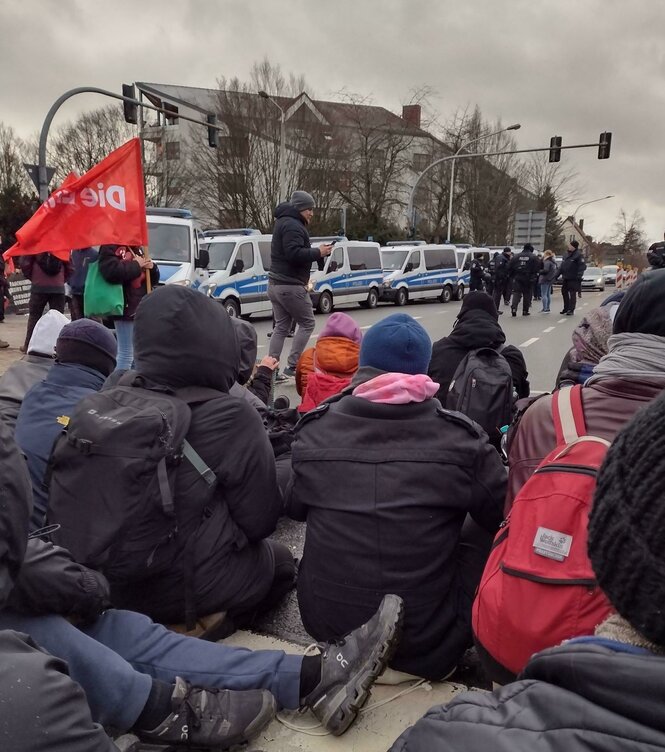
pixel 33 171
pixel 530 228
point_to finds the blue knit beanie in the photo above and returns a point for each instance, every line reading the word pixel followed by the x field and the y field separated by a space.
pixel 397 344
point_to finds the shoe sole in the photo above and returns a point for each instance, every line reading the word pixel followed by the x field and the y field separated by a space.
pixel 355 693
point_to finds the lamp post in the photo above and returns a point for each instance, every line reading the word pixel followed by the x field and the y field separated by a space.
pixel 514 127
pixel 282 146
pixel 603 198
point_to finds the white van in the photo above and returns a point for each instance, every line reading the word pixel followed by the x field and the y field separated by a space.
pixel 238 265
pixel 351 274
pixel 419 272
pixel 173 244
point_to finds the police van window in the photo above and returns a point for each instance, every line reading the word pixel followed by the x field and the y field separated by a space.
pixel 393 260
pixel 246 255
pixel 361 257
pixel 220 254
pixel 483 256
pixel 264 250
pixel 336 260
pixel 440 258
pixel 415 259
pixel 169 242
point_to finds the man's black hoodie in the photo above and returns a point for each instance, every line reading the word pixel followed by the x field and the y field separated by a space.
pixel 291 253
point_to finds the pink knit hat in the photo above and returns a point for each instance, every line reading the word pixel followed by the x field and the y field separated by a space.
pixel 342 325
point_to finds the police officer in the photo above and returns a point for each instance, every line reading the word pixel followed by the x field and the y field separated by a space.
pixel 476 275
pixel 656 255
pixel 501 277
pixel 523 270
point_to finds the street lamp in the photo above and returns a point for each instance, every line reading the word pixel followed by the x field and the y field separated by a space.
pixel 282 146
pixel 514 127
pixel 589 202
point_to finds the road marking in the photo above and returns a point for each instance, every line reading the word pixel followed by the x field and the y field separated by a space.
pixel 260 347
pixel 529 341
pixel 366 327
pixel 417 318
pixel 549 329
pixel 561 321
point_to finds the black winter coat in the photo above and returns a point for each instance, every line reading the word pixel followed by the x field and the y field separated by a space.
pixel 524 267
pixel 183 339
pixel 118 267
pixel 474 329
pixel 501 270
pixel 580 697
pixel 291 253
pixel 572 267
pixel 385 490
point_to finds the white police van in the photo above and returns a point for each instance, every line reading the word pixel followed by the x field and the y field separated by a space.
pixel 173 244
pixel 350 274
pixel 418 272
pixel 239 261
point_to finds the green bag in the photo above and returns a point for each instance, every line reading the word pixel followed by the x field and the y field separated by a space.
pixel 101 298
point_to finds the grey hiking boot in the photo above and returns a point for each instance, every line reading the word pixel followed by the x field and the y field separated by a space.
pixel 350 667
pixel 212 718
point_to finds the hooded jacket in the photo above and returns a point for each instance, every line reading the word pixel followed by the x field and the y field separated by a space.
pixel 17 380
pixel 233 564
pixel 548 271
pixel 42 282
pixel 117 266
pixel 291 253
pixel 385 490
pixel 580 697
pixel 253 384
pixel 572 267
pixel 474 328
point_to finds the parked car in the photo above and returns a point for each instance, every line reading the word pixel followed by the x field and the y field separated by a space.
pixel 610 273
pixel 593 279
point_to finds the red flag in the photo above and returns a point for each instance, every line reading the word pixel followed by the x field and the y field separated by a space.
pixel 106 205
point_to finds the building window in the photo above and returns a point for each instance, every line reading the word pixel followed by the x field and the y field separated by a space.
pixel 173 149
pixel 420 161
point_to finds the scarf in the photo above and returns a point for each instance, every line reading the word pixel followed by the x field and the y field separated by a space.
pixel 397 388
pixel 591 336
pixel 632 355
pixel 616 628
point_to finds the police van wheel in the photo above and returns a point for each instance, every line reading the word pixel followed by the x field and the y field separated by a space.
pixel 459 294
pixel 232 308
pixel 325 303
pixel 402 297
pixel 372 298
pixel 446 294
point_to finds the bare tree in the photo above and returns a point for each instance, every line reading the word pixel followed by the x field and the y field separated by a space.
pixel 17 199
pixel 628 233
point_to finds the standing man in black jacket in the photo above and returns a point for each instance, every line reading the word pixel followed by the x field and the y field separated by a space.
pixel 291 258
pixel 501 278
pixel 523 270
pixel 571 271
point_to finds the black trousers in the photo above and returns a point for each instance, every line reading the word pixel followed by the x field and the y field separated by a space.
pixel 569 290
pixel 522 291
pixel 501 290
pixel 36 306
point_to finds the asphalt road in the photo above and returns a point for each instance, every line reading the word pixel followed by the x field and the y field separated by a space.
pixel 543 338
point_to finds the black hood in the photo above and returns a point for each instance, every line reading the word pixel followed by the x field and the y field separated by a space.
pixel 183 338
pixel 246 336
pixel 477 328
pixel 642 308
pixel 287 209
pixel 15 508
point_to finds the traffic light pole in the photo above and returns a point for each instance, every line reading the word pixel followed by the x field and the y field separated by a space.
pixel 453 157
pixel 43 179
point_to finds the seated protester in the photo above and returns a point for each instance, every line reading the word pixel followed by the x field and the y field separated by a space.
pixel 137 675
pixel 235 567
pixel 254 383
pixel 630 376
pixel 84 356
pixel 600 692
pixel 589 346
pixel 32 367
pixel 327 368
pixel 399 496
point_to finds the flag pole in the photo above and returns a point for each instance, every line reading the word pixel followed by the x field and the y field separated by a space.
pixel 148 280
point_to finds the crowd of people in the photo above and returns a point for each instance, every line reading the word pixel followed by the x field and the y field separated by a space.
pixel 140 486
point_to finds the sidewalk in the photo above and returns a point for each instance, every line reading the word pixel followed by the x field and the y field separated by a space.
pixel 12 331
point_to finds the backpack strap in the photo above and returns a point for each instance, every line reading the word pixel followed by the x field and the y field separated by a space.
pixel 199 464
pixel 568 414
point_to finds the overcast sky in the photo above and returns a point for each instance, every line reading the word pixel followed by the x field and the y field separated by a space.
pixel 559 67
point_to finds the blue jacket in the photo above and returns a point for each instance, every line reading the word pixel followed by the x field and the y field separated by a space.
pixel 81 259
pixel 43 415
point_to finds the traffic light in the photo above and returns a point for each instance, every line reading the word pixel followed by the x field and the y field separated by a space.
pixel 605 142
pixel 129 109
pixel 212 132
pixel 555 149
pixel 171 114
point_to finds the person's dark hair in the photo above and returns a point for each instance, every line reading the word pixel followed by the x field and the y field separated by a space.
pixel 528 247
pixel 575 244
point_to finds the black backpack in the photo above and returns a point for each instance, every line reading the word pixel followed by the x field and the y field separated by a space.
pixel 482 389
pixel 115 512
pixel 49 264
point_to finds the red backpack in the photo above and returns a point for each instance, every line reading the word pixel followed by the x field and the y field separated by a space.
pixel 538 588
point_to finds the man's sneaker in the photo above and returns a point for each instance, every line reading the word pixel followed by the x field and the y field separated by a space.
pixel 289 372
pixel 3 344
pixel 513 312
pixel 525 313
pixel 280 378
pixel 281 402
pixel 350 667
pixel 215 718
pixel 570 313
pixel 563 313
